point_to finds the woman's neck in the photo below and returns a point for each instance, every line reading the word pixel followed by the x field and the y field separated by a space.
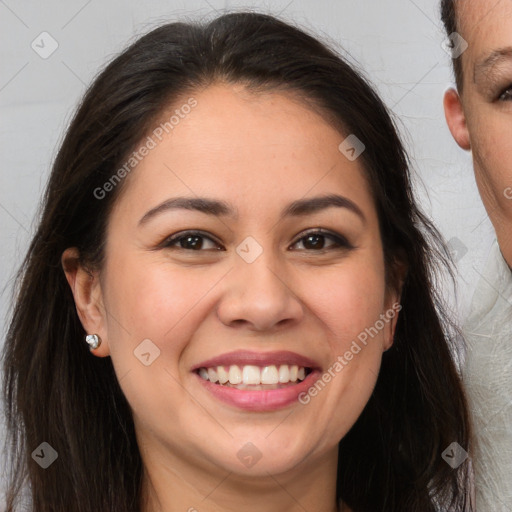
pixel 171 484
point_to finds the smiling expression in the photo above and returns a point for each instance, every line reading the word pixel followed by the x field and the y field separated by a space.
pixel 274 271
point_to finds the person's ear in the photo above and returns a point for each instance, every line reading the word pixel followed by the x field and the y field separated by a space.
pixel 391 319
pixel 86 288
pixel 392 303
pixel 456 119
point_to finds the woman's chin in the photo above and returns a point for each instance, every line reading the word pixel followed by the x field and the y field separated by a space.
pixel 260 465
pixel 260 456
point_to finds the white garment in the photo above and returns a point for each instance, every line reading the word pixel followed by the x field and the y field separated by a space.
pixel 488 380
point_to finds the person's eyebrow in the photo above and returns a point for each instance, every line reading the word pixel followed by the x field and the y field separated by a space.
pixel 214 207
pixel 496 57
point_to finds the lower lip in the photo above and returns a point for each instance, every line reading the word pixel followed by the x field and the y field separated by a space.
pixel 260 400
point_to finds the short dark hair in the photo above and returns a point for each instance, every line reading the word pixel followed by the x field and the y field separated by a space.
pixel 449 18
pixel 54 390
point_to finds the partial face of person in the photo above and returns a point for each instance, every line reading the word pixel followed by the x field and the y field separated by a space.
pixel 481 120
pixel 243 261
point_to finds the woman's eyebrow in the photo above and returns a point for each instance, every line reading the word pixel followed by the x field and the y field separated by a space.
pixel 218 208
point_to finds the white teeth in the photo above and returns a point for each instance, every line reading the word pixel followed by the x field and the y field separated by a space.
pixel 251 375
pixel 254 375
pixel 294 370
pixel 284 374
pixel 222 374
pixel 235 374
pixel 212 375
pixel 269 375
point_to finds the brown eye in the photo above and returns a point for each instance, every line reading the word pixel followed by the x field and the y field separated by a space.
pixel 197 241
pixel 189 240
pixel 506 95
pixel 315 240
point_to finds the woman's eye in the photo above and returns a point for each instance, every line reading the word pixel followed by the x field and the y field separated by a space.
pixel 316 241
pixel 190 240
pixel 506 95
pixel 197 241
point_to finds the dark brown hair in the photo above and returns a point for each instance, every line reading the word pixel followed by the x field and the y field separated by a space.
pixel 56 392
pixel 449 18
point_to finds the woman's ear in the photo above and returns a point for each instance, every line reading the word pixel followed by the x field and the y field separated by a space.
pixel 456 119
pixel 391 317
pixel 392 314
pixel 86 289
pixel 392 303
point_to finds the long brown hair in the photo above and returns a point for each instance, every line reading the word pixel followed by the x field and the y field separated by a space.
pixel 55 392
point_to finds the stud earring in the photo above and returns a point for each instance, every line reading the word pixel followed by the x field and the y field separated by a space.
pixel 93 340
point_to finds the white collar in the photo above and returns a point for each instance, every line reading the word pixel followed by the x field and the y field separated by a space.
pixel 494 288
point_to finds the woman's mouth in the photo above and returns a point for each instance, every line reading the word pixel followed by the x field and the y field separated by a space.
pixel 257 381
pixel 256 378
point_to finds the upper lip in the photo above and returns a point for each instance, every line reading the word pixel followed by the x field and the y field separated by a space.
pixel 248 357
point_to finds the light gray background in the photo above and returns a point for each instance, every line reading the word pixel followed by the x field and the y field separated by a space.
pixel 396 42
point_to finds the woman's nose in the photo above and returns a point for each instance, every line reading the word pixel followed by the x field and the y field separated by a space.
pixel 259 293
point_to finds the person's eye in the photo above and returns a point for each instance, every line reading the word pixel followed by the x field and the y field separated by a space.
pixel 506 95
pixel 311 241
pixel 189 240
pixel 316 241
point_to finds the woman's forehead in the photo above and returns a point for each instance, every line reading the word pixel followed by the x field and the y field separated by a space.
pixel 235 146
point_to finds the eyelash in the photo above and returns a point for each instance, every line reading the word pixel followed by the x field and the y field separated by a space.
pixel 340 241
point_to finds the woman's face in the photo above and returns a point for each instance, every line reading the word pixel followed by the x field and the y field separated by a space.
pixel 256 293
